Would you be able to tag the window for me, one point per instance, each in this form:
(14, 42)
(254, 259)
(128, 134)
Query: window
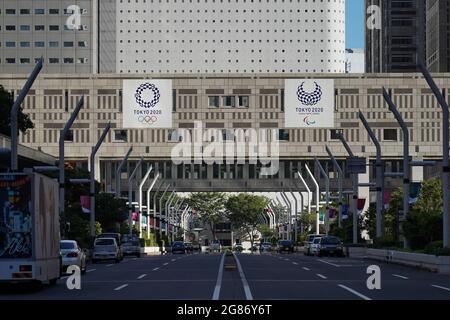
(25, 60)
(82, 44)
(25, 11)
(54, 28)
(68, 60)
(120, 136)
(229, 101)
(10, 44)
(39, 44)
(10, 28)
(68, 44)
(213, 101)
(25, 27)
(244, 101)
(283, 135)
(390, 134)
(53, 11)
(25, 44)
(53, 60)
(39, 11)
(82, 60)
(10, 11)
(39, 28)
(174, 136)
(53, 44)
(10, 60)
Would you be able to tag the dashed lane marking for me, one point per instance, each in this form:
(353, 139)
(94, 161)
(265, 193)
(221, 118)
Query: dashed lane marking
(121, 287)
(356, 293)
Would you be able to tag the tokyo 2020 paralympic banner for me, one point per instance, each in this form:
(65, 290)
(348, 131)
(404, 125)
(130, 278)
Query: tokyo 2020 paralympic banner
(309, 103)
(147, 104)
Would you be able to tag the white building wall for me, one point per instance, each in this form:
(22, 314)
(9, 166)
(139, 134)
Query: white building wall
(230, 36)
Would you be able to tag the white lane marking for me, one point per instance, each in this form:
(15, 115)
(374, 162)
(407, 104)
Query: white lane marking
(165, 264)
(356, 293)
(173, 260)
(248, 293)
(90, 270)
(216, 293)
(321, 276)
(401, 277)
(295, 263)
(306, 269)
(287, 260)
(439, 287)
(121, 287)
(156, 269)
(110, 265)
(330, 263)
(142, 276)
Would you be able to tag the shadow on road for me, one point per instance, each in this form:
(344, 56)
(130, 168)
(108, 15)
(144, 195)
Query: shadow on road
(20, 288)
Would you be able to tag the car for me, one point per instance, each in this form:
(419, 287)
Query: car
(238, 247)
(116, 236)
(131, 248)
(72, 255)
(285, 246)
(315, 245)
(178, 247)
(265, 247)
(106, 249)
(189, 247)
(215, 246)
(308, 242)
(330, 246)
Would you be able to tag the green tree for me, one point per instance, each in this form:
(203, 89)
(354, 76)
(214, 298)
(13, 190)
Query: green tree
(265, 231)
(209, 207)
(109, 211)
(243, 211)
(23, 120)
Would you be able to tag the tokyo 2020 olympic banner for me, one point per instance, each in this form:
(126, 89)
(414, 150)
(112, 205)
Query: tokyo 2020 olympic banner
(147, 104)
(309, 103)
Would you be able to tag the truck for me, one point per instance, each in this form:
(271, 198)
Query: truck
(29, 228)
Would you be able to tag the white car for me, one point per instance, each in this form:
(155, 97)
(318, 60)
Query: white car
(315, 246)
(215, 246)
(106, 249)
(72, 255)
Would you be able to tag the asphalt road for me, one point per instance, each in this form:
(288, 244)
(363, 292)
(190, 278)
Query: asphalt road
(252, 276)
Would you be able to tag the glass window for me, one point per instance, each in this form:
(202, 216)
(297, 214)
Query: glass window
(53, 11)
(120, 135)
(229, 101)
(25, 60)
(10, 11)
(244, 101)
(39, 44)
(39, 28)
(10, 28)
(53, 44)
(82, 60)
(283, 135)
(10, 60)
(53, 60)
(82, 44)
(68, 44)
(69, 136)
(25, 44)
(68, 60)
(10, 44)
(213, 101)
(25, 27)
(25, 11)
(39, 11)
(54, 28)
(390, 134)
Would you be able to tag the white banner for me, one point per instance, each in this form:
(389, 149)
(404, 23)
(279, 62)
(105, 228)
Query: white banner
(147, 104)
(309, 103)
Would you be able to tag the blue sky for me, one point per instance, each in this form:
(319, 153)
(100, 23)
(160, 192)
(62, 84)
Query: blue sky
(355, 24)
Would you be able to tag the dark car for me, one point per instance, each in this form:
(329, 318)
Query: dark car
(330, 246)
(285, 246)
(189, 247)
(178, 247)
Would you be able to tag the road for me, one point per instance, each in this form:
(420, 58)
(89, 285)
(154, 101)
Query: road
(256, 276)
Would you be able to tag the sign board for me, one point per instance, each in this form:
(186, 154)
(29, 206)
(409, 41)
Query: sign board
(356, 165)
(309, 103)
(147, 104)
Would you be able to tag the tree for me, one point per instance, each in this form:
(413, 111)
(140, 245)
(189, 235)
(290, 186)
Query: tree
(209, 207)
(109, 211)
(23, 120)
(243, 211)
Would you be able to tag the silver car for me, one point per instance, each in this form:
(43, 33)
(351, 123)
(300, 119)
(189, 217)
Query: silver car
(106, 249)
(131, 248)
(72, 255)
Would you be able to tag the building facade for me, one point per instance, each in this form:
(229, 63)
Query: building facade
(355, 61)
(30, 29)
(438, 35)
(394, 43)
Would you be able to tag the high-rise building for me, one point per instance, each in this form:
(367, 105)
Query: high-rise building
(394, 43)
(355, 60)
(438, 35)
(230, 36)
(30, 29)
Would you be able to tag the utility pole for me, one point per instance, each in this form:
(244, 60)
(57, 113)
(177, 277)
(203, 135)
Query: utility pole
(317, 199)
(130, 195)
(148, 202)
(327, 195)
(119, 171)
(340, 183)
(141, 186)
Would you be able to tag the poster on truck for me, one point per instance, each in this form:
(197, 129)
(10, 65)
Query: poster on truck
(47, 218)
(15, 216)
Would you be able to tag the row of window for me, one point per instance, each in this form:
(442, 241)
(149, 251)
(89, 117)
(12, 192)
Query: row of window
(40, 11)
(41, 27)
(41, 44)
(50, 60)
(236, 70)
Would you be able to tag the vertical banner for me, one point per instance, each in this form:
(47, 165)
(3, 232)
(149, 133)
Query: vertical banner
(85, 204)
(147, 104)
(309, 103)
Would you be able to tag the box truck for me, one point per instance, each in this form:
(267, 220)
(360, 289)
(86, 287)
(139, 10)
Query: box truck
(29, 228)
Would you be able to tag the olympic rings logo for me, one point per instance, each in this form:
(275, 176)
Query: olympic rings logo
(147, 119)
(147, 104)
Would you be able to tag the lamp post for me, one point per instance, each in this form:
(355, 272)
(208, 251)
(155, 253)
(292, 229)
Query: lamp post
(130, 195)
(119, 171)
(340, 183)
(317, 199)
(327, 195)
(141, 186)
(148, 202)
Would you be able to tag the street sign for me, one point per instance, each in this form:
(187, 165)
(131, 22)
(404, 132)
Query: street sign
(356, 165)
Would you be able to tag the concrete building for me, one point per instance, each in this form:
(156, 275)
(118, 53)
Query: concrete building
(400, 38)
(355, 60)
(230, 36)
(438, 35)
(30, 29)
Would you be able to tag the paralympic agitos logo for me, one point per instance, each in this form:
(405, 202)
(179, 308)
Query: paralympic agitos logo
(147, 96)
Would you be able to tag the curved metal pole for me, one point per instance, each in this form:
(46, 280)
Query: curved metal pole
(296, 215)
(289, 205)
(148, 202)
(130, 195)
(166, 211)
(340, 183)
(157, 214)
(119, 171)
(317, 199)
(327, 195)
(141, 186)
(380, 175)
(307, 189)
